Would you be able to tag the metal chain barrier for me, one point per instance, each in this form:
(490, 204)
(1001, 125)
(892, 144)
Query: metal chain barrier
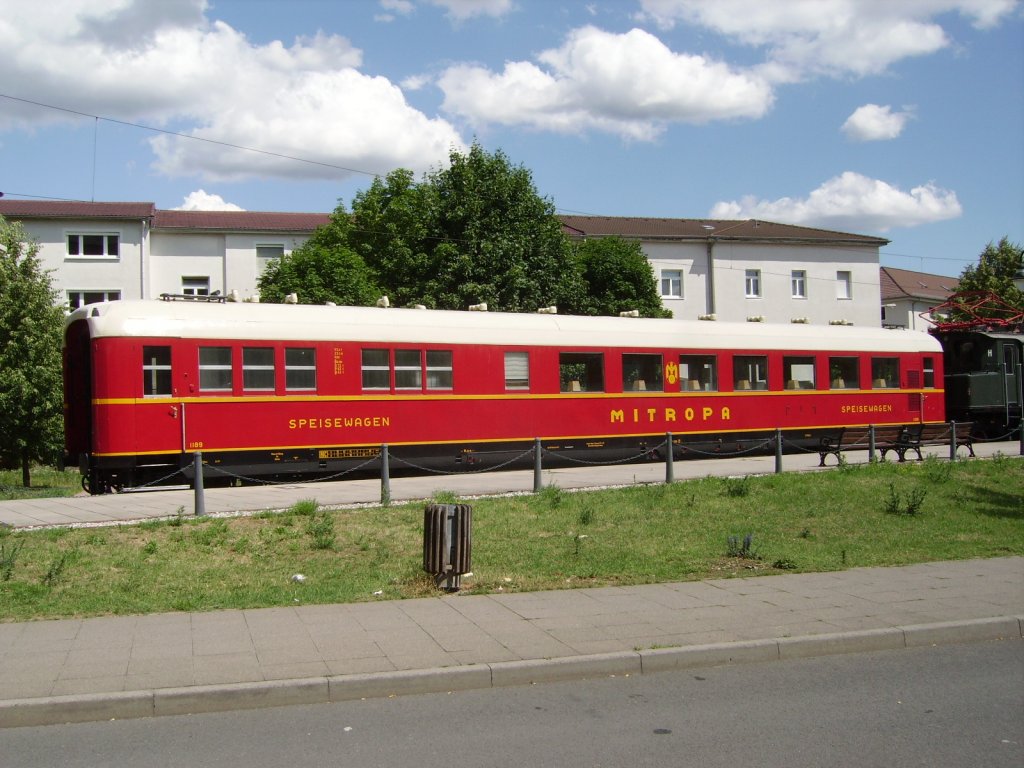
(261, 481)
(739, 452)
(429, 470)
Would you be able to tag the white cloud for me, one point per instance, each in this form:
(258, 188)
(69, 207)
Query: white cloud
(305, 100)
(628, 84)
(466, 9)
(851, 202)
(875, 123)
(201, 200)
(833, 37)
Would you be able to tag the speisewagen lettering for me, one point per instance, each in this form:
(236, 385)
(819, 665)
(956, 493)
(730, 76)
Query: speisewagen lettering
(339, 422)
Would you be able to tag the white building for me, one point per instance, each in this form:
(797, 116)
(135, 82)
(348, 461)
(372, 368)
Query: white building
(908, 297)
(731, 270)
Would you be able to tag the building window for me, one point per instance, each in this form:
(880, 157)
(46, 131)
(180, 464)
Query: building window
(798, 281)
(885, 373)
(376, 366)
(581, 372)
(753, 284)
(266, 254)
(156, 371)
(195, 286)
(844, 284)
(517, 370)
(78, 299)
(642, 373)
(258, 369)
(672, 283)
(215, 369)
(698, 373)
(843, 373)
(93, 245)
(750, 372)
(299, 368)
(798, 372)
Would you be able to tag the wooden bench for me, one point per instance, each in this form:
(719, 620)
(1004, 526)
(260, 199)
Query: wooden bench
(918, 435)
(858, 438)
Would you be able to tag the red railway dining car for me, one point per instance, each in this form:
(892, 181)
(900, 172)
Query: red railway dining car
(291, 390)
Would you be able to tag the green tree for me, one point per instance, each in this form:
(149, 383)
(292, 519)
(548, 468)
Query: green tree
(997, 267)
(618, 278)
(31, 333)
(474, 232)
(322, 269)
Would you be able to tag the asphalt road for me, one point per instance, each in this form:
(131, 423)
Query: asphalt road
(956, 705)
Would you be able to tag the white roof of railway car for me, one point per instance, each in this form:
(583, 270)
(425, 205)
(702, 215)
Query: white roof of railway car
(298, 322)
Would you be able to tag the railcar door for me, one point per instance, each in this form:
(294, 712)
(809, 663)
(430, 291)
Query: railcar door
(77, 393)
(1011, 374)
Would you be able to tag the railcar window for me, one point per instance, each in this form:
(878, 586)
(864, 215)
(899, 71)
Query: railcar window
(215, 369)
(408, 373)
(258, 368)
(581, 371)
(642, 373)
(376, 369)
(517, 370)
(156, 371)
(698, 373)
(929, 372)
(843, 372)
(885, 373)
(439, 369)
(299, 368)
(750, 372)
(798, 372)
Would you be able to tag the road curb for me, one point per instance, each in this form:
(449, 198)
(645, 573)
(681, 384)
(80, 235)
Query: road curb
(52, 710)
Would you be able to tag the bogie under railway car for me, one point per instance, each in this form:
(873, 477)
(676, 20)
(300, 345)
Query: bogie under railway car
(290, 390)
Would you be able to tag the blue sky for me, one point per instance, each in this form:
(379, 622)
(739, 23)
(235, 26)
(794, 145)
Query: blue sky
(901, 118)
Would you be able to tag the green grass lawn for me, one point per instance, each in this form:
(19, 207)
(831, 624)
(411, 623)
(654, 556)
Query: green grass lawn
(46, 483)
(864, 515)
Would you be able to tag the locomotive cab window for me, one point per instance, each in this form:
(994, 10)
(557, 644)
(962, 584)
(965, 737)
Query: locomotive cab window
(156, 371)
(642, 373)
(299, 368)
(698, 373)
(843, 373)
(750, 372)
(798, 372)
(258, 369)
(215, 369)
(885, 373)
(517, 370)
(581, 372)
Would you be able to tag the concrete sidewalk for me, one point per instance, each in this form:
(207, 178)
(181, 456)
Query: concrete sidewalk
(140, 666)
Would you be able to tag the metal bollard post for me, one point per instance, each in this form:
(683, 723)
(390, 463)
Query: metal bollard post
(197, 483)
(871, 443)
(385, 475)
(537, 480)
(669, 470)
(778, 451)
(952, 441)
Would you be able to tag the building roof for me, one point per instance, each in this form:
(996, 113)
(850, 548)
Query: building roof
(702, 229)
(71, 209)
(255, 221)
(904, 284)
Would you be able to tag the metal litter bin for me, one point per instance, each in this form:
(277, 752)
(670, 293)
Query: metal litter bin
(447, 543)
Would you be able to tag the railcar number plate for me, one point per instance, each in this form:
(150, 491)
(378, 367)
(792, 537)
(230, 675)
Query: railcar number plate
(348, 453)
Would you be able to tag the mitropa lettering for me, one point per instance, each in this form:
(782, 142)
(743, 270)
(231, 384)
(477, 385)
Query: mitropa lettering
(669, 415)
(339, 422)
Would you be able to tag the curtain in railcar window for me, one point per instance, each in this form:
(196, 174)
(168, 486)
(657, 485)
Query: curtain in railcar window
(517, 370)
(439, 369)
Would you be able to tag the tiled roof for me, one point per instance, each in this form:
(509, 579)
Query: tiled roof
(257, 221)
(902, 284)
(60, 209)
(702, 229)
